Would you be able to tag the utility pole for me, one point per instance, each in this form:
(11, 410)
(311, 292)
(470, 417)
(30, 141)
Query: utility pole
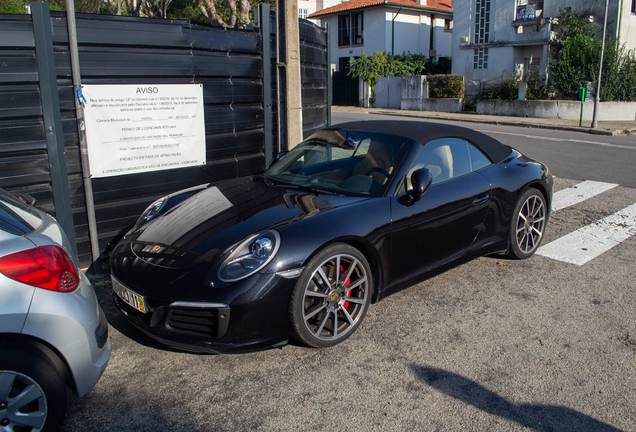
(597, 99)
(291, 56)
(81, 131)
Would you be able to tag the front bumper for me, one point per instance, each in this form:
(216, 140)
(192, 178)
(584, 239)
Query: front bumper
(245, 316)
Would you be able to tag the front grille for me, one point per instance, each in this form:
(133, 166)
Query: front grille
(206, 323)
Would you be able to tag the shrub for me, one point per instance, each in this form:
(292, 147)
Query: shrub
(380, 64)
(446, 86)
(537, 89)
(504, 89)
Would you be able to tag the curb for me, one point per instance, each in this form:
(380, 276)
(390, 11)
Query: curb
(494, 121)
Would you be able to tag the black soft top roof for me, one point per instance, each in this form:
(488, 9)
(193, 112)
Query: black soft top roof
(424, 132)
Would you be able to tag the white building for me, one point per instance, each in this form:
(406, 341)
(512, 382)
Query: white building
(392, 26)
(308, 7)
(500, 38)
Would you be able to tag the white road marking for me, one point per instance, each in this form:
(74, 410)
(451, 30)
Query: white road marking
(579, 193)
(545, 138)
(587, 243)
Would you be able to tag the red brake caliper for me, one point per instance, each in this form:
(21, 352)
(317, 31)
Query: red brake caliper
(347, 282)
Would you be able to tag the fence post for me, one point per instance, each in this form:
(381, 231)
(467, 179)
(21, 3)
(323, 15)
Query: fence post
(266, 31)
(81, 136)
(291, 55)
(43, 36)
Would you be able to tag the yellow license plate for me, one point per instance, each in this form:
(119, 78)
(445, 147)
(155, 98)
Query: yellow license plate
(130, 297)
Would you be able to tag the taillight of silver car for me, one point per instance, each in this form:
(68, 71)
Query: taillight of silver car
(47, 267)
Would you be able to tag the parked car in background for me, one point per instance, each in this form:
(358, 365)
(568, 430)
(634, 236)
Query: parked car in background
(352, 214)
(53, 332)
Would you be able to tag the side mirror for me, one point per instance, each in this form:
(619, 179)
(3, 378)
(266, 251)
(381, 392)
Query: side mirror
(278, 157)
(421, 180)
(26, 198)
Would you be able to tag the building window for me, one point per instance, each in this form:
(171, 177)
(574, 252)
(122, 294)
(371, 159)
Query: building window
(634, 6)
(448, 24)
(482, 21)
(351, 29)
(529, 9)
(303, 13)
(480, 58)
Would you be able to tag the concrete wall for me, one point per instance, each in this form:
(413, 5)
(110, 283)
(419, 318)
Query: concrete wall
(566, 110)
(443, 105)
(388, 92)
(414, 89)
(411, 93)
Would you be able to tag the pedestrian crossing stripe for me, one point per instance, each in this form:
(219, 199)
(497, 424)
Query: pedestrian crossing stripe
(585, 244)
(579, 193)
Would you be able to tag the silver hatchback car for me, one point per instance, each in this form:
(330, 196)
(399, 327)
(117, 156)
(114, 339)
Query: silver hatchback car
(53, 333)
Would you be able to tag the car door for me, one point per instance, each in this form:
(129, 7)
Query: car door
(447, 219)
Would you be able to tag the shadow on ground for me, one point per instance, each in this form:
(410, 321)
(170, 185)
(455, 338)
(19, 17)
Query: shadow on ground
(542, 418)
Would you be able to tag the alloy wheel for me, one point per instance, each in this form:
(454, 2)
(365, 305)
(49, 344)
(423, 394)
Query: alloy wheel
(530, 224)
(22, 403)
(335, 297)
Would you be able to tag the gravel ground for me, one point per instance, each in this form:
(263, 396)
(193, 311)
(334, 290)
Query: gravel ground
(496, 344)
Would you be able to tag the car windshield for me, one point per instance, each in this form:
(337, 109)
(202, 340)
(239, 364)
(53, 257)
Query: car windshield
(344, 163)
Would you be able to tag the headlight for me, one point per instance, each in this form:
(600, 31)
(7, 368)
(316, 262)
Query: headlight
(250, 256)
(152, 211)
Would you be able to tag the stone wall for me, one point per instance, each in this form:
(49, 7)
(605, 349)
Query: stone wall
(566, 110)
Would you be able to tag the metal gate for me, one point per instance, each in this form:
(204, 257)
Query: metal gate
(345, 89)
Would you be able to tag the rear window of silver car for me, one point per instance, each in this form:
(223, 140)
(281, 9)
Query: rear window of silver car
(17, 217)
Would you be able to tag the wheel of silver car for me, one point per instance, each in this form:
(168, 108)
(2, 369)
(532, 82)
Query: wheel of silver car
(32, 394)
(528, 224)
(331, 297)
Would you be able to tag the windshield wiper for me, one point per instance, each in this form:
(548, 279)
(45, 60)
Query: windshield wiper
(307, 188)
(283, 184)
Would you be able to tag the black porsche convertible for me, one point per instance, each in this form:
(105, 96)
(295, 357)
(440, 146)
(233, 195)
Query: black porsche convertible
(352, 214)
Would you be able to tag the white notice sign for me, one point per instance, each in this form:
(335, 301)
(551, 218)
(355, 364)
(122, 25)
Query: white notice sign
(134, 128)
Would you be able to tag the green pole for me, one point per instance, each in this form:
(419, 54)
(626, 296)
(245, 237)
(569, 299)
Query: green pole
(582, 95)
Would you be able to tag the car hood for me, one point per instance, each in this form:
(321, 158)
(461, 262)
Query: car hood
(206, 222)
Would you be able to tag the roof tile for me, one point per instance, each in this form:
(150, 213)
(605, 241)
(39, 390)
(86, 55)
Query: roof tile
(442, 5)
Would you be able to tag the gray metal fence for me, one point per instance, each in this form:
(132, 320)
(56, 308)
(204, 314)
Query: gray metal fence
(123, 50)
(313, 76)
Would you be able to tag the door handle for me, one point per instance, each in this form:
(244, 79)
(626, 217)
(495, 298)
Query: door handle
(481, 200)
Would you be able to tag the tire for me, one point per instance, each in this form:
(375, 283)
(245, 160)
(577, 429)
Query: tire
(528, 224)
(326, 306)
(22, 371)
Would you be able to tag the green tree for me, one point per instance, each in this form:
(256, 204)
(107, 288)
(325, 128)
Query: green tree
(13, 7)
(226, 13)
(576, 53)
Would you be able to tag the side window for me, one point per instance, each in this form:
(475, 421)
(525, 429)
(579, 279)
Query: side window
(445, 158)
(479, 159)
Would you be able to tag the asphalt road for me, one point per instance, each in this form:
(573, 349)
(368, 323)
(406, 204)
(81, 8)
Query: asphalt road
(571, 155)
(496, 344)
